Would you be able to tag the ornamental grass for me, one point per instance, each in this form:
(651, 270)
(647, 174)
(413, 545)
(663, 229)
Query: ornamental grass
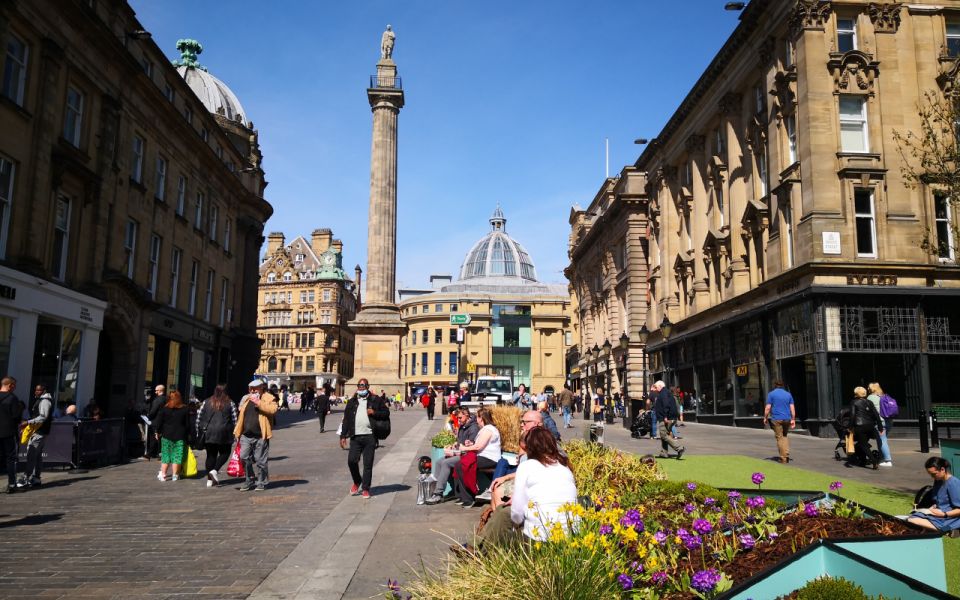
(601, 470)
(507, 421)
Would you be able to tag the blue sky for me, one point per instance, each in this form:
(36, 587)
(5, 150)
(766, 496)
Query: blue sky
(506, 102)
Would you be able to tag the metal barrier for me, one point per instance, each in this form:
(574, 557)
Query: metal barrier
(58, 449)
(101, 442)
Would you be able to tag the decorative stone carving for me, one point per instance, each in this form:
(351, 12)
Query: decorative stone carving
(757, 133)
(948, 77)
(810, 15)
(885, 17)
(386, 43)
(853, 72)
(695, 143)
(730, 103)
(785, 97)
(765, 52)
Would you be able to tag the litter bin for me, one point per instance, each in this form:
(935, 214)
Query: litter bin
(595, 433)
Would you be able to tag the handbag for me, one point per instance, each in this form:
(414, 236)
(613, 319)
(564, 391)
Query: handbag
(381, 428)
(189, 464)
(235, 466)
(28, 430)
(850, 446)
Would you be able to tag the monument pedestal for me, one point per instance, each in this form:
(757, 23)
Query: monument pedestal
(377, 334)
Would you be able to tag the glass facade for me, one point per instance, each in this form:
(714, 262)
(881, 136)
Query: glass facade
(56, 360)
(511, 331)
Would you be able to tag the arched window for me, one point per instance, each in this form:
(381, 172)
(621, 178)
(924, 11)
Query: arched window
(288, 276)
(271, 277)
(272, 364)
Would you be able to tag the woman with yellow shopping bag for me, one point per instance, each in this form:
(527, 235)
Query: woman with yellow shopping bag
(172, 424)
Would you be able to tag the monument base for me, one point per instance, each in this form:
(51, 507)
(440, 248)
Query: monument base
(376, 355)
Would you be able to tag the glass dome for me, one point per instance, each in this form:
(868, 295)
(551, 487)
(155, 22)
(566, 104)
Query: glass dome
(498, 255)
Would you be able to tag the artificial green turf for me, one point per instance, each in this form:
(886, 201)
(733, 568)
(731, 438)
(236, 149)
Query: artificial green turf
(735, 471)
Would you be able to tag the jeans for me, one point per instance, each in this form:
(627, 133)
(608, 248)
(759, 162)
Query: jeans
(653, 421)
(503, 468)
(8, 448)
(255, 451)
(362, 445)
(217, 456)
(884, 446)
(35, 455)
(566, 416)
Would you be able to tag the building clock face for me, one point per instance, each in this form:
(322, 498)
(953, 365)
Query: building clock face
(280, 263)
(329, 260)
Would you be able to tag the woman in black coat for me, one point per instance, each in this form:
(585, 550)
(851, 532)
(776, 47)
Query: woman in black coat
(866, 421)
(215, 422)
(172, 423)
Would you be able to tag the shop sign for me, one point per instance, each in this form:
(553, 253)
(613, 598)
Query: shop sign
(742, 370)
(471, 368)
(887, 280)
(203, 335)
(85, 314)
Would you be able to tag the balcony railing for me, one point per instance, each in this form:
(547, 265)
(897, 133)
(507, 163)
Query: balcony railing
(385, 82)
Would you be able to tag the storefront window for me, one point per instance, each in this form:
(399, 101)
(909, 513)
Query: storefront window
(69, 365)
(56, 359)
(750, 395)
(197, 363)
(724, 387)
(173, 367)
(151, 354)
(705, 395)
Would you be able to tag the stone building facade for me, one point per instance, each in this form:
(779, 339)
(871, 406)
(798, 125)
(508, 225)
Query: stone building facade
(305, 302)
(608, 281)
(518, 326)
(131, 210)
(785, 241)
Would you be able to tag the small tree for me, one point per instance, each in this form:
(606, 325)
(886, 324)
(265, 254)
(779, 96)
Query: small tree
(931, 158)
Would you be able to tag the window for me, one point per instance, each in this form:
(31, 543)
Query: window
(310, 364)
(719, 193)
(453, 363)
(303, 297)
(762, 174)
(272, 364)
(175, 259)
(413, 363)
(147, 66)
(299, 258)
(426, 308)
(204, 135)
(198, 212)
(720, 143)
(219, 152)
(311, 296)
(437, 363)
(866, 223)
(208, 300)
(297, 364)
(687, 175)
(161, 189)
(271, 277)
(413, 338)
(791, 126)
(438, 308)
(787, 212)
(437, 336)
(759, 100)
(853, 124)
(155, 243)
(944, 223)
(414, 310)
(224, 284)
(169, 93)
(326, 295)
(288, 276)
(136, 160)
(423, 337)
(15, 70)
(787, 53)
(953, 39)
(73, 117)
(188, 115)
(453, 308)
(6, 199)
(214, 218)
(181, 195)
(423, 363)
(194, 277)
(130, 246)
(227, 227)
(61, 238)
(452, 338)
(846, 35)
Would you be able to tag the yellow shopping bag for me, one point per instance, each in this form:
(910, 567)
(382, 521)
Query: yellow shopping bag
(28, 430)
(190, 464)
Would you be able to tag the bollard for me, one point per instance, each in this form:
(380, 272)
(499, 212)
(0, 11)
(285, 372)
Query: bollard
(934, 430)
(924, 440)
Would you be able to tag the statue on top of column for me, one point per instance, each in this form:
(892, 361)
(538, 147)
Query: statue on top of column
(386, 43)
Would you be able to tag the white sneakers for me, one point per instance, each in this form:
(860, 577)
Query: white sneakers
(212, 478)
(161, 476)
(886, 463)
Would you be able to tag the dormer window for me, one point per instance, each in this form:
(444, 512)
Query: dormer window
(271, 277)
(299, 258)
(288, 276)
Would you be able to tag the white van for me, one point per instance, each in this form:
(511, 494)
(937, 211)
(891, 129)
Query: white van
(491, 389)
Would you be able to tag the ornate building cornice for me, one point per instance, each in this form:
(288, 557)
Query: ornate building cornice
(885, 16)
(730, 104)
(810, 15)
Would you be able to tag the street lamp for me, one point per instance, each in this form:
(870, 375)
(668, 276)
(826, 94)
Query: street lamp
(625, 345)
(666, 327)
(608, 399)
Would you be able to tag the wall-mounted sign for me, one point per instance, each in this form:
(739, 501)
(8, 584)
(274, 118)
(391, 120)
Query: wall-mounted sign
(831, 242)
(871, 280)
(85, 314)
(742, 370)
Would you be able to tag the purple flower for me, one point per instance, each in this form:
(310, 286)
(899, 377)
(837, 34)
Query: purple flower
(835, 486)
(747, 541)
(773, 535)
(708, 501)
(733, 496)
(606, 530)
(689, 508)
(626, 582)
(691, 486)
(702, 526)
(757, 478)
(632, 519)
(659, 578)
(705, 581)
(394, 587)
(660, 537)
(810, 510)
(755, 502)
(692, 542)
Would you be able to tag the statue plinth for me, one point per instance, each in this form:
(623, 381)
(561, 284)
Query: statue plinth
(376, 353)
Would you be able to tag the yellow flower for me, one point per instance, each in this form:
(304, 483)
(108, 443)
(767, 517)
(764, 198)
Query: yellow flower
(641, 551)
(630, 534)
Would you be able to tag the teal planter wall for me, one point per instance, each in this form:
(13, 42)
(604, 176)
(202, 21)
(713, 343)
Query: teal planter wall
(950, 450)
(920, 559)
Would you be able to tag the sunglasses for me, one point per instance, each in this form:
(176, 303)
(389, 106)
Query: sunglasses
(361, 385)
(525, 421)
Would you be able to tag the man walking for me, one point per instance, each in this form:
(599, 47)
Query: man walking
(566, 405)
(431, 402)
(782, 415)
(361, 409)
(41, 414)
(323, 407)
(254, 429)
(666, 413)
(11, 411)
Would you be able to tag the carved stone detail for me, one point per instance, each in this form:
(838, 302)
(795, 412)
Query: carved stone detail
(810, 15)
(695, 143)
(765, 52)
(853, 72)
(885, 17)
(785, 96)
(730, 103)
(948, 77)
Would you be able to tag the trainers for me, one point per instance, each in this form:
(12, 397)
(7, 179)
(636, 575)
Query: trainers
(365, 494)
(470, 504)
(244, 488)
(175, 478)
(10, 489)
(354, 489)
(680, 452)
(434, 499)
(260, 487)
(886, 463)
(212, 476)
(486, 495)
(161, 476)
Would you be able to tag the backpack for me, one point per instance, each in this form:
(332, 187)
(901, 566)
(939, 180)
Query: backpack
(888, 407)
(380, 427)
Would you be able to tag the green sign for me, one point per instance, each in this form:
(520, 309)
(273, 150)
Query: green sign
(458, 319)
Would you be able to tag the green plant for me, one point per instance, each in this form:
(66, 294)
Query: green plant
(507, 421)
(601, 470)
(443, 439)
(830, 588)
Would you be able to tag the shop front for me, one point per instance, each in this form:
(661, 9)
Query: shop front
(49, 334)
(183, 355)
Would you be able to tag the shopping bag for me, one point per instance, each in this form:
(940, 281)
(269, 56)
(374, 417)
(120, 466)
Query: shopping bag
(235, 466)
(28, 430)
(851, 447)
(189, 464)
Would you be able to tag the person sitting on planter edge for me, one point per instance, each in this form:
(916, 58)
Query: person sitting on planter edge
(944, 515)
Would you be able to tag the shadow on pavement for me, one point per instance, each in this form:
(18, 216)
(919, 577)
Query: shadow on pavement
(386, 489)
(31, 520)
(63, 482)
(287, 483)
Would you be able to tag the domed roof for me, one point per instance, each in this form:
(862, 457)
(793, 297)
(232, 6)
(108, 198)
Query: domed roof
(215, 95)
(497, 255)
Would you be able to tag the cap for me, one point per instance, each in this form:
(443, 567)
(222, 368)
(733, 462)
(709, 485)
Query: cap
(257, 383)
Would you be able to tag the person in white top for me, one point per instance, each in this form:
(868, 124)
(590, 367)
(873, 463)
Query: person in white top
(487, 447)
(543, 485)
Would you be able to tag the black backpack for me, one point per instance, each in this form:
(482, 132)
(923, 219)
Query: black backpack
(381, 427)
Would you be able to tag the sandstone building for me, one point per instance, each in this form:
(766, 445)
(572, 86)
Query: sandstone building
(131, 210)
(304, 305)
(784, 241)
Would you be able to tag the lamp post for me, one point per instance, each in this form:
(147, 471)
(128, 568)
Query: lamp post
(627, 407)
(608, 399)
(596, 375)
(666, 328)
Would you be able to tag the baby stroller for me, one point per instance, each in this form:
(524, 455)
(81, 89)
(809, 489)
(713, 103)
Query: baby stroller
(641, 425)
(842, 425)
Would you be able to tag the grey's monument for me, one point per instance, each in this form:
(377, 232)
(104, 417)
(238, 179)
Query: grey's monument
(378, 327)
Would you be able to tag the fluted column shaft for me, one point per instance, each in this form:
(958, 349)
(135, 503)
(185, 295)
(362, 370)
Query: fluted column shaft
(382, 234)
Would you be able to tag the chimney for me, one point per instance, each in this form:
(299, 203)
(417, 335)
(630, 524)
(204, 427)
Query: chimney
(357, 274)
(274, 242)
(320, 240)
(337, 245)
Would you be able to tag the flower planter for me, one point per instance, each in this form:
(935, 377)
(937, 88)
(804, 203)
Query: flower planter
(789, 497)
(827, 558)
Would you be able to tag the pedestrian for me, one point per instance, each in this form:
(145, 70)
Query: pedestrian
(944, 512)
(323, 406)
(596, 405)
(172, 425)
(652, 407)
(254, 429)
(216, 421)
(666, 414)
(464, 392)
(159, 399)
(548, 421)
(781, 413)
(284, 398)
(521, 399)
(467, 431)
(883, 434)
(11, 412)
(866, 420)
(41, 415)
(431, 402)
(361, 408)
(566, 405)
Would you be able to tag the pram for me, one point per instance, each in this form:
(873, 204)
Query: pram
(642, 423)
(842, 425)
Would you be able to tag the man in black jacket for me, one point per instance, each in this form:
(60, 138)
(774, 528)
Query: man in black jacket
(152, 447)
(665, 408)
(323, 406)
(11, 412)
(866, 422)
(362, 409)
